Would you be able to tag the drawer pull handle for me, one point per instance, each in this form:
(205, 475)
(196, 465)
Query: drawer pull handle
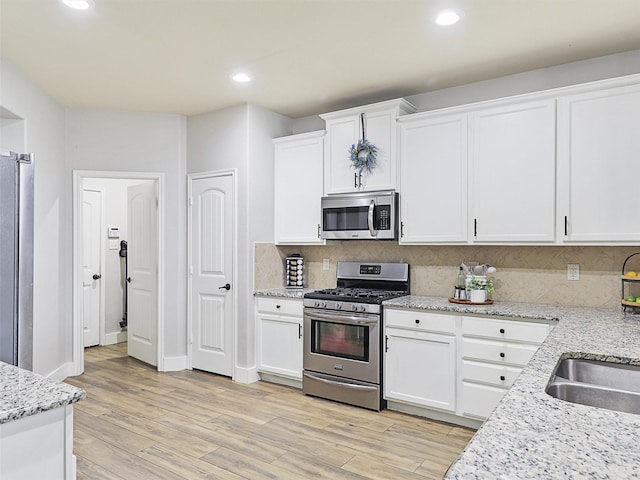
(502, 377)
(502, 330)
(501, 354)
(277, 306)
(417, 320)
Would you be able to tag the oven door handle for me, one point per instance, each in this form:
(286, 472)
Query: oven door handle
(354, 386)
(343, 319)
(372, 206)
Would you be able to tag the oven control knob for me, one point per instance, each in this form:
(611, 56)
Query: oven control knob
(338, 306)
(354, 307)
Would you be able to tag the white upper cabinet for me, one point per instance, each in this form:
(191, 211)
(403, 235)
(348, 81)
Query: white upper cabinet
(599, 166)
(344, 129)
(512, 166)
(433, 178)
(298, 188)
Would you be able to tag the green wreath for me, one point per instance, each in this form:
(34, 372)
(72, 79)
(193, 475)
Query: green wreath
(363, 156)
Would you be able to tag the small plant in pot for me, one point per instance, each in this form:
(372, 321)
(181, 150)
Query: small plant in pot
(479, 287)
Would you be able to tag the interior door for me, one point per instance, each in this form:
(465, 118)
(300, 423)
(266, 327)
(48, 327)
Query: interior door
(142, 251)
(91, 260)
(212, 277)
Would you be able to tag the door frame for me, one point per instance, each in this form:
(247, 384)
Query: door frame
(103, 229)
(77, 328)
(234, 261)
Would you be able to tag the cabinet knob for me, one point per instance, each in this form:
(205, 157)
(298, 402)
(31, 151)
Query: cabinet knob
(502, 330)
(502, 377)
(501, 354)
(417, 320)
(277, 306)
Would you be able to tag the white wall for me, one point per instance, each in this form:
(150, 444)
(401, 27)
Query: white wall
(144, 142)
(590, 70)
(240, 137)
(52, 295)
(115, 200)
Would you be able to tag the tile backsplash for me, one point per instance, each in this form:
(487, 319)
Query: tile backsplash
(525, 273)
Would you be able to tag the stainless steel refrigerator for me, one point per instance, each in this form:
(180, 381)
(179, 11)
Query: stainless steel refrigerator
(16, 259)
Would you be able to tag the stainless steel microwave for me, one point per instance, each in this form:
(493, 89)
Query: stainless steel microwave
(360, 216)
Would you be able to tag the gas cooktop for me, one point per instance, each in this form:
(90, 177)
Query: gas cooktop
(365, 295)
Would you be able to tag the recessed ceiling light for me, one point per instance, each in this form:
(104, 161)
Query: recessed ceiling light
(241, 77)
(79, 4)
(448, 17)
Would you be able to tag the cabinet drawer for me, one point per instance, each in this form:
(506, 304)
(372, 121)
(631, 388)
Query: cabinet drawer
(522, 331)
(496, 351)
(279, 306)
(498, 375)
(415, 320)
(480, 400)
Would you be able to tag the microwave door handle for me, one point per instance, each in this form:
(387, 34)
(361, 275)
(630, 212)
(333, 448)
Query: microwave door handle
(372, 206)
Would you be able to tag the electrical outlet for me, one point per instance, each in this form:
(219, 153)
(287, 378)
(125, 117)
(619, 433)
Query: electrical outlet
(573, 271)
(325, 264)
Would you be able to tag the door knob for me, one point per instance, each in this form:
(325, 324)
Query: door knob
(128, 279)
(226, 286)
(96, 276)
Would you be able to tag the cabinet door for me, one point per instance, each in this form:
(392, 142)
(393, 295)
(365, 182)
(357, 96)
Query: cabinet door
(420, 368)
(280, 345)
(339, 177)
(298, 188)
(512, 172)
(380, 128)
(433, 179)
(599, 161)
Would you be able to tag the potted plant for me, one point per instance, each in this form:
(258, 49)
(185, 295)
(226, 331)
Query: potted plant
(479, 287)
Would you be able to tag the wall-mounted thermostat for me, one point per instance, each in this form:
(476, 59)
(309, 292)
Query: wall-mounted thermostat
(113, 232)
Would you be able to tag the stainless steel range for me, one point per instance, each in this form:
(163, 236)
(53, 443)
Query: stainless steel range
(343, 333)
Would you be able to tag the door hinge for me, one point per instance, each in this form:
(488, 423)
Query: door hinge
(190, 270)
(190, 201)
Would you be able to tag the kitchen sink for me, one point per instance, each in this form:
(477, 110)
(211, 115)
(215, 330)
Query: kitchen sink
(596, 383)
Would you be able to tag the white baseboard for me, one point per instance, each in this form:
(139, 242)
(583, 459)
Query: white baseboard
(174, 364)
(63, 371)
(115, 337)
(246, 375)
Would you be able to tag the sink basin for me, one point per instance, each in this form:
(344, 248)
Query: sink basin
(595, 383)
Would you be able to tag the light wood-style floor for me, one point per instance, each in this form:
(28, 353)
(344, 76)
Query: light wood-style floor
(137, 423)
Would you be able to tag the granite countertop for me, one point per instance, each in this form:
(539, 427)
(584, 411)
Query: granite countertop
(531, 435)
(284, 292)
(24, 393)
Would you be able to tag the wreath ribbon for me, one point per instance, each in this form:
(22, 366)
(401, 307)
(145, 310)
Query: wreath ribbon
(363, 156)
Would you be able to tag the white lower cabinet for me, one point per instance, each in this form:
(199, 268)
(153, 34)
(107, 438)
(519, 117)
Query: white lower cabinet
(452, 365)
(279, 337)
(420, 359)
(493, 353)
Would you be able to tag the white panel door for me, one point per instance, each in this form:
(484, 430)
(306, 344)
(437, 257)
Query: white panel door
(142, 251)
(598, 163)
(212, 280)
(433, 179)
(512, 160)
(91, 264)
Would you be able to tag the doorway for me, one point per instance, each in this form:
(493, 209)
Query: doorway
(146, 200)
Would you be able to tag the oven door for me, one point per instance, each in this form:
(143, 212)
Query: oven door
(342, 344)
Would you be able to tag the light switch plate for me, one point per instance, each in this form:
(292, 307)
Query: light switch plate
(325, 264)
(573, 271)
(113, 244)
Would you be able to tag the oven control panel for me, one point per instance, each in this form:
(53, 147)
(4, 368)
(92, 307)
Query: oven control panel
(370, 269)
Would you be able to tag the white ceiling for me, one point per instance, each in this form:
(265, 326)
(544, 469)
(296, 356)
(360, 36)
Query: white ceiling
(306, 56)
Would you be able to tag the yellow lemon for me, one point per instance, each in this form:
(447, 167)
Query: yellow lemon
(631, 274)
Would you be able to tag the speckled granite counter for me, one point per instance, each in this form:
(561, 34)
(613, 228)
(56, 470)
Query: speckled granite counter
(24, 393)
(531, 435)
(284, 292)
